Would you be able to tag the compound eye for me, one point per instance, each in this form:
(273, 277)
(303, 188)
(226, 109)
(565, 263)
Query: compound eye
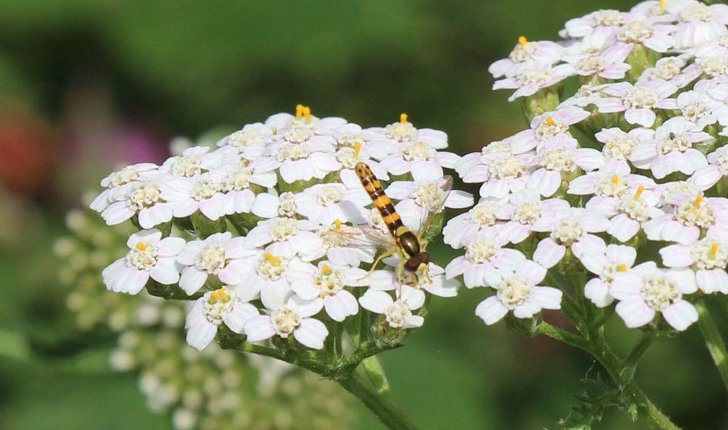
(413, 263)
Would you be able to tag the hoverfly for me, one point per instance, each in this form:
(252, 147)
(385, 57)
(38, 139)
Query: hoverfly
(409, 245)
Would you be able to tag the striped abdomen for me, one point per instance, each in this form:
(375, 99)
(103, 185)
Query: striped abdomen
(406, 240)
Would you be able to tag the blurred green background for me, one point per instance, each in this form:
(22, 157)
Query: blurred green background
(86, 86)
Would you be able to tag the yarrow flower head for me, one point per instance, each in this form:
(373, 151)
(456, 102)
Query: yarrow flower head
(284, 230)
(634, 156)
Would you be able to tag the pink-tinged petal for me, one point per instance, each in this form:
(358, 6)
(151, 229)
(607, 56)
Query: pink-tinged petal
(635, 313)
(626, 286)
(491, 310)
(414, 297)
(166, 271)
(117, 213)
(235, 319)
(527, 309)
(588, 244)
(598, 292)
(474, 276)
(681, 234)
(307, 308)
(532, 271)
(706, 177)
(341, 305)
(680, 315)
(712, 281)
(274, 294)
(548, 253)
(643, 117)
(201, 334)
(265, 206)
(170, 246)
(546, 182)
(609, 104)
(456, 267)
(192, 280)
(623, 228)
(375, 301)
(676, 256)
(311, 333)
(594, 262)
(547, 297)
(684, 279)
(133, 282)
(258, 328)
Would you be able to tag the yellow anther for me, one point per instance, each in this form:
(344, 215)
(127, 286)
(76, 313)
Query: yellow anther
(337, 223)
(403, 117)
(522, 40)
(549, 120)
(219, 295)
(357, 148)
(141, 246)
(621, 267)
(615, 179)
(303, 111)
(698, 199)
(638, 193)
(326, 269)
(663, 4)
(272, 259)
(713, 249)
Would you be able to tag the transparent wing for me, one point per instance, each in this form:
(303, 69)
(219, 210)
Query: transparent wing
(431, 208)
(363, 236)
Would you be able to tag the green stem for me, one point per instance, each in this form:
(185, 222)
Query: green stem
(357, 383)
(622, 377)
(713, 341)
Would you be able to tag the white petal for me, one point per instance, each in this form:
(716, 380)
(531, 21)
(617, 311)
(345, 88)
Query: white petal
(491, 310)
(680, 315)
(311, 333)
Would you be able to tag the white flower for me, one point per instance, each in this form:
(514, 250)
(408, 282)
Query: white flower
(483, 254)
(573, 228)
(149, 256)
(211, 310)
(398, 313)
(142, 198)
(613, 259)
(219, 254)
(287, 237)
(325, 203)
(328, 282)
(708, 257)
(518, 291)
(290, 317)
(645, 290)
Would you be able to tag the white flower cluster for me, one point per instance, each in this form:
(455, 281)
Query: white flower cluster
(643, 176)
(209, 389)
(267, 227)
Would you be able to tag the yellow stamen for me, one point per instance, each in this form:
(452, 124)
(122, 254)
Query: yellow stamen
(638, 193)
(615, 179)
(337, 223)
(698, 199)
(522, 40)
(326, 269)
(303, 111)
(272, 259)
(219, 295)
(622, 267)
(357, 148)
(141, 246)
(403, 117)
(713, 249)
(663, 4)
(549, 121)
